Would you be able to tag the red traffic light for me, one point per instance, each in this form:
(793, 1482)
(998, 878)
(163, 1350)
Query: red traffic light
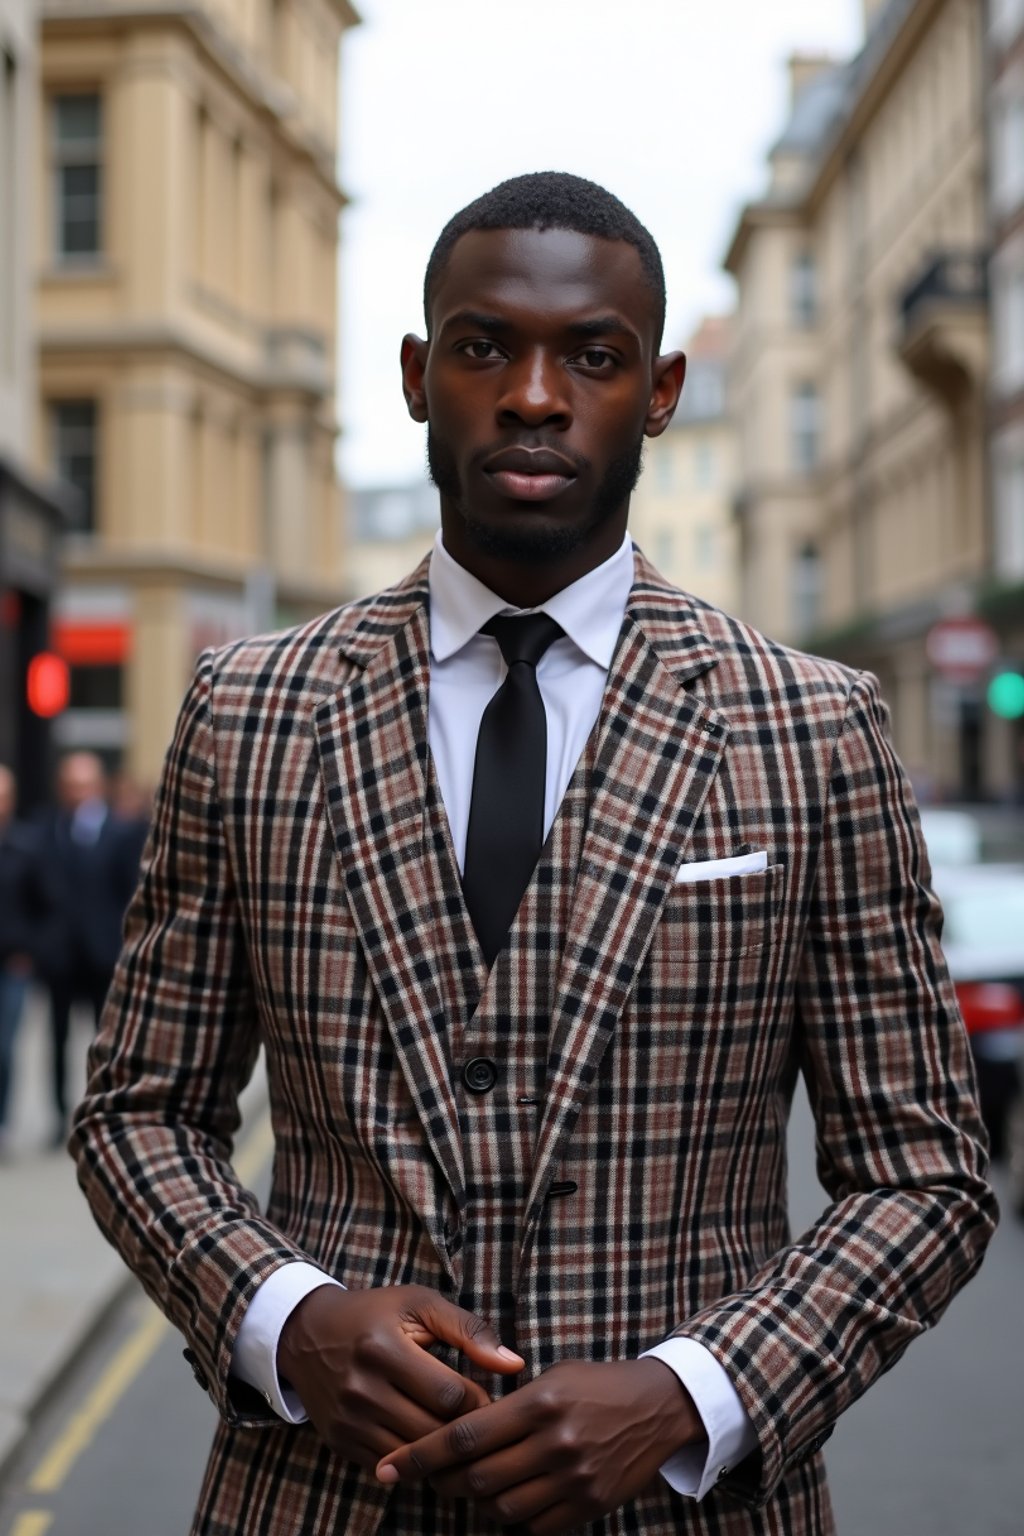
(48, 686)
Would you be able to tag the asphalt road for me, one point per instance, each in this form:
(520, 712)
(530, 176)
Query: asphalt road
(935, 1449)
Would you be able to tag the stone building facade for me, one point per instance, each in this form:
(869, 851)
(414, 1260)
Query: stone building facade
(860, 377)
(681, 511)
(186, 246)
(31, 505)
(1005, 601)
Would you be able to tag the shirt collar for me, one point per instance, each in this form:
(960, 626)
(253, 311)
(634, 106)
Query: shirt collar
(590, 610)
(87, 820)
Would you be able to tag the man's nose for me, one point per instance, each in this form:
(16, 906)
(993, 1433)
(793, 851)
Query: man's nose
(534, 393)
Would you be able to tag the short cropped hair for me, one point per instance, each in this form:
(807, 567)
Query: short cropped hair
(551, 200)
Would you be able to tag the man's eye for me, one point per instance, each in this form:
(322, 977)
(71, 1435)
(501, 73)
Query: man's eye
(482, 350)
(595, 358)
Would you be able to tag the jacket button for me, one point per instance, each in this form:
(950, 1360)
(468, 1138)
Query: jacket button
(479, 1074)
(565, 1187)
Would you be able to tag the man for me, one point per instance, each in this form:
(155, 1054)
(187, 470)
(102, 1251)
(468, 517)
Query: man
(24, 909)
(538, 917)
(93, 866)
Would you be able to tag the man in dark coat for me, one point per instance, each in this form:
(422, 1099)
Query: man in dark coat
(25, 907)
(91, 856)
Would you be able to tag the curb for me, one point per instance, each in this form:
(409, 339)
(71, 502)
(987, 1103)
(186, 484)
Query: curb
(109, 1298)
(78, 1347)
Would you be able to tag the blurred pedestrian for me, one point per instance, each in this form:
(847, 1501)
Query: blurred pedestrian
(132, 805)
(92, 858)
(24, 910)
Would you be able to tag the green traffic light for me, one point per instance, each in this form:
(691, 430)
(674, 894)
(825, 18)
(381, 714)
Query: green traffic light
(1006, 695)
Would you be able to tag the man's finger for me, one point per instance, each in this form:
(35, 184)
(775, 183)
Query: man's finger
(403, 1417)
(475, 1435)
(441, 1391)
(485, 1479)
(537, 1500)
(441, 1320)
(368, 1449)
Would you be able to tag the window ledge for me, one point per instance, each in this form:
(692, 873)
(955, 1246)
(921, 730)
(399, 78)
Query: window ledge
(83, 271)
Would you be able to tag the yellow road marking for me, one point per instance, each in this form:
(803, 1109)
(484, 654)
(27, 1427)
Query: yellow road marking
(129, 1360)
(34, 1522)
(82, 1426)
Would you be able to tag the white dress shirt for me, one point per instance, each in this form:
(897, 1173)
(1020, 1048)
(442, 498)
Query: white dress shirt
(466, 670)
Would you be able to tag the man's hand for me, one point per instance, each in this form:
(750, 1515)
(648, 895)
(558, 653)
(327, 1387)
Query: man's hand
(359, 1362)
(564, 1449)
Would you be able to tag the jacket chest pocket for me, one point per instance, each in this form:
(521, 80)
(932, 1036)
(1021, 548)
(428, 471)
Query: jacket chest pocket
(702, 985)
(722, 917)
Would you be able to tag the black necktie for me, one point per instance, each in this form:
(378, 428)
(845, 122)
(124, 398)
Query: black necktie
(506, 812)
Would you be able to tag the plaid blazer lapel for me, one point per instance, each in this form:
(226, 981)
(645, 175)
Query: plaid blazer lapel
(658, 749)
(372, 739)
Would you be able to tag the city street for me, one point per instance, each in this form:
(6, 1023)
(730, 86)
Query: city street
(525, 738)
(934, 1450)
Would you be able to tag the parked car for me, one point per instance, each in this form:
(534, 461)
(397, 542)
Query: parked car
(974, 834)
(952, 836)
(983, 940)
(1015, 1156)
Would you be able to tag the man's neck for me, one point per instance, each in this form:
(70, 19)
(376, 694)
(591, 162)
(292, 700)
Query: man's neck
(528, 584)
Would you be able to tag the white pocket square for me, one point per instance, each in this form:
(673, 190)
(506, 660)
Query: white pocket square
(721, 869)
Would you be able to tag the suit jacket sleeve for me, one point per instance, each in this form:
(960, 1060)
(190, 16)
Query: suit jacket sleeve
(900, 1146)
(179, 1039)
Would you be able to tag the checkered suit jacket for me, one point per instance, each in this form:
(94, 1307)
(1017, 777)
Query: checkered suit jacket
(299, 890)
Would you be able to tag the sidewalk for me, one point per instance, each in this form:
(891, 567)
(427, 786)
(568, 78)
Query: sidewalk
(59, 1278)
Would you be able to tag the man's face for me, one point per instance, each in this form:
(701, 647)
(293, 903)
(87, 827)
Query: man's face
(538, 385)
(80, 779)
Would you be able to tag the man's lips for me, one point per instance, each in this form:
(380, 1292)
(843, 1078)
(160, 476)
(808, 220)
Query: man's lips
(529, 487)
(530, 474)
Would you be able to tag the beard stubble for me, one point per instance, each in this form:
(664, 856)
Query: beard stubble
(524, 540)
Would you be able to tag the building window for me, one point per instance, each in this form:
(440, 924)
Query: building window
(805, 426)
(74, 443)
(77, 176)
(200, 192)
(1007, 20)
(803, 290)
(664, 549)
(704, 467)
(704, 547)
(1009, 499)
(97, 687)
(805, 596)
(279, 39)
(1008, 317)
(274, 247)
(1008, 142)
(236, 232)
(704, 394)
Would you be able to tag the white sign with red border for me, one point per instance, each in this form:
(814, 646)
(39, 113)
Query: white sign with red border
(962, 649)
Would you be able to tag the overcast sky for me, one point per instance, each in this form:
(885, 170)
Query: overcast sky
(672, 104)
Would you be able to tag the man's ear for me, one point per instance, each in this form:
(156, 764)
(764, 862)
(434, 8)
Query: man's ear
(669, 373)
(414, 363)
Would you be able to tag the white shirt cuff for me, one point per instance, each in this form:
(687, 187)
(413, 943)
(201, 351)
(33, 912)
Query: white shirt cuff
(731, 1437)
(254, 1358)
